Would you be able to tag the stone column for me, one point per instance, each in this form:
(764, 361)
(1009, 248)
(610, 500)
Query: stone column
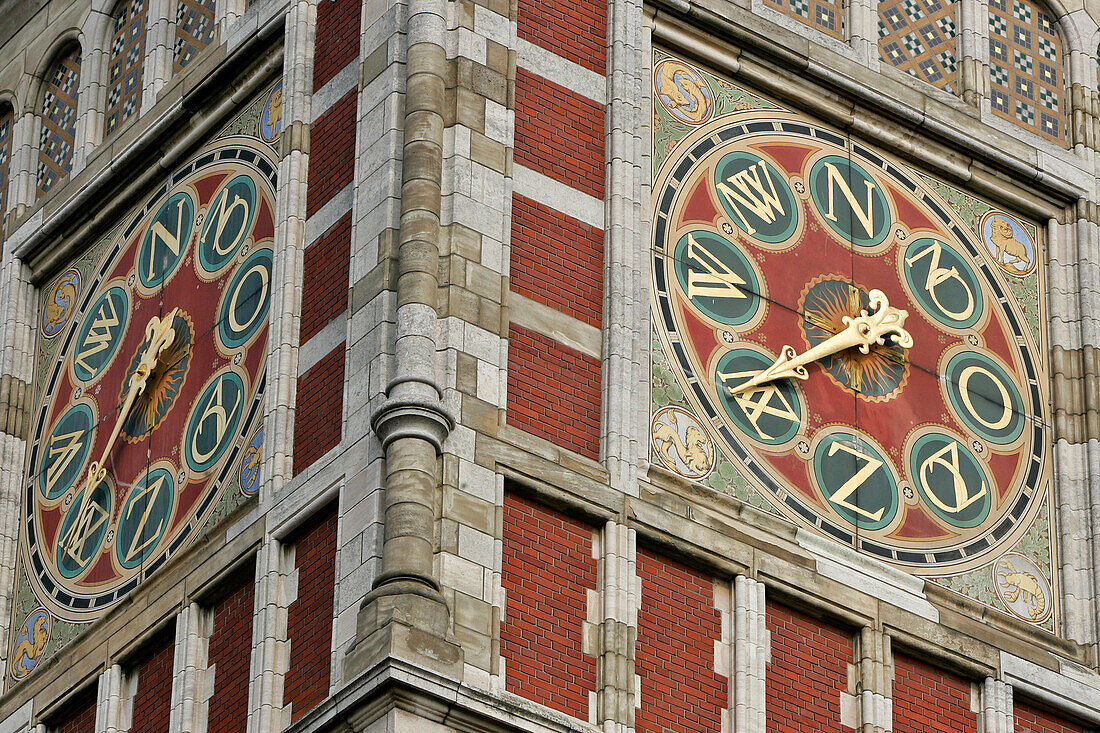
(270, 647)
(192, 684)
(876, 674)
(615, 627)
(997, 715)
(750, 656)
(17, 329)
(413, 423)
(115, 701)
(160, 35)
(626, 301)
(92, 101)
(973, 49)
(24, 159)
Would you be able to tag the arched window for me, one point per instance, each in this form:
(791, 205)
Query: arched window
(7, 123)
(194, 29)
(125, 63)
(55, 146)
(918, 37)
(1026, 68)
(825, 15)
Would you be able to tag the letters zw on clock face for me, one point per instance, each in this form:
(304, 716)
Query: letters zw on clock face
(156, 382)
(850, 343)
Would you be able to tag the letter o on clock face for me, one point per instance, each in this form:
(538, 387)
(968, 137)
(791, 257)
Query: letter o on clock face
(773, 239)
(182, 287)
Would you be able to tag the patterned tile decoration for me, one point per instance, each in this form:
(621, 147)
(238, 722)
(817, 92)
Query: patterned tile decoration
(825, 16)
(125, 63)
(194, 30)
(1026, 68)
(59, 107)
(918, 37)
(7, 124)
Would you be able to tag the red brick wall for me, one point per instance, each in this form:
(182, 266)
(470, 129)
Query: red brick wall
(325, 278)
(559, 133)
(548, 568)
(557, 260)
(309, 618)
(153, 698)
(929, 698)
(575, 29)
(807, 673)
(80, 715)
(1037, 720)
(320, 409)
(332, 152)
(677, 628)
(553, 391)
(230, 653)
(337, 42)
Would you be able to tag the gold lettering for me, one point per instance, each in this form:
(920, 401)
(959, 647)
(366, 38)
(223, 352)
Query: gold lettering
(233, 322)
(220, 217)
(938, 275)
(214, 409)
(750, 193)
(718, 280)
(160, 235)
(948, 457)
(840, 497)
(99, 335)
(1006, 400)
(759, 402)
(865, 214)
(70, 445)
(90, 518)
(134, 548)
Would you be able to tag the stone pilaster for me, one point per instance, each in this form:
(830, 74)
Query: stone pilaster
(626, 300)
(159, 39)
(94, 44)
(973, 61)
(114, 701)
(405, 614)
(997, 714)
(270, 646)
(24, 150)
(750, 655)
(876, 674)
(614, 627)
(192, 682)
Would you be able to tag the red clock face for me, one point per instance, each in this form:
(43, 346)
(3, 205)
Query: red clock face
(196, 260)
(772, 236)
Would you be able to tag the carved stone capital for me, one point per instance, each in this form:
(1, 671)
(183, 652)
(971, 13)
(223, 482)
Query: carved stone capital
(411, 418)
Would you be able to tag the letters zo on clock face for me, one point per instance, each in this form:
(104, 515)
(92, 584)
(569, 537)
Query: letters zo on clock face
(155, 382)
(849, 342)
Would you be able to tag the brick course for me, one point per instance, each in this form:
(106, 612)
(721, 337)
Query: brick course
(807, 673)
(553, 391)
(574, 30)
(331, 153)
(557, 260)
(309, 618)
(337, 43)
(559, 133)
(325, 278)
(80, 714)
(1037, 720)
(153, 698)
(547, 570)
(677, 628)
(930, 698)
(319, 414)
(230, 653)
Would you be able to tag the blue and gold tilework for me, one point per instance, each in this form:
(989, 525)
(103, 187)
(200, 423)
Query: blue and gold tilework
(918, 37)
(125, 63)
(825, 16)
(59, 108)
(194, 30)
(1026, 68)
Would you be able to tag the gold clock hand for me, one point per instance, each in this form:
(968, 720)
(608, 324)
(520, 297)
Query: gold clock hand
(159, 334)
(865, 330)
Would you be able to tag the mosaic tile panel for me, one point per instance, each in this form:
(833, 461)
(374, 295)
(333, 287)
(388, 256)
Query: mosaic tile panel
(194, 30)
(825, 16)
(125, 63)
(55, 145)
(1026, 68)
(918, 37)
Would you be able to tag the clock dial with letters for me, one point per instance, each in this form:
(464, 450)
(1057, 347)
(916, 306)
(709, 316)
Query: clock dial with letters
(156, 383)
(776, 242)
